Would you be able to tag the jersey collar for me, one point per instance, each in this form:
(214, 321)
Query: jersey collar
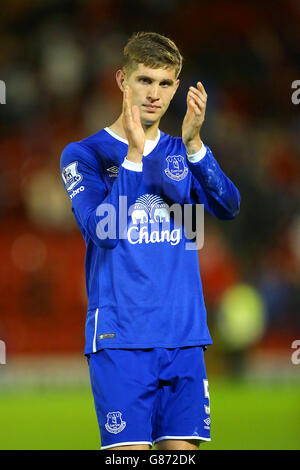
(149, 144)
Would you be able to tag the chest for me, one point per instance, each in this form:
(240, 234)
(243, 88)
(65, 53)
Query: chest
(165, 174)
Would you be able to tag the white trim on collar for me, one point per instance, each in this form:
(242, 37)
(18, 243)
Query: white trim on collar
(116, 136)
(149, 144)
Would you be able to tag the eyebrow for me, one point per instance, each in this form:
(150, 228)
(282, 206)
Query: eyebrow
(146, 77)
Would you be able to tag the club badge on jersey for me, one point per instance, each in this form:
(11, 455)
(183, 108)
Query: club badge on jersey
(176, 169)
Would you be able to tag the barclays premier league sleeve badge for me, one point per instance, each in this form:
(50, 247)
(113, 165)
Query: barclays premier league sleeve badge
(70, 176)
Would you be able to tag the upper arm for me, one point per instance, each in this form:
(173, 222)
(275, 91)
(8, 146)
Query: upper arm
(82, 179)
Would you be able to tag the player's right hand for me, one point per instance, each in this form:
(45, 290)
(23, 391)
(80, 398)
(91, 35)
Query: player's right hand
(133, 128)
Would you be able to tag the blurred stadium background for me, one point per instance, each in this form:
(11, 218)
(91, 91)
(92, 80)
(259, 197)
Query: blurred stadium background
(58, 60)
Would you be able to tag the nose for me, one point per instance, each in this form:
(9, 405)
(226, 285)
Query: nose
(153, 94)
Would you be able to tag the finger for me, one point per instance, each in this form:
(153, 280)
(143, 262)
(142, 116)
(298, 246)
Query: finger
(198, 111)
(126, 100)
(198, 93)
(127, 104)
(201, 88)
(198, 106)
(199, 100)
(124, 104)
(136, 115)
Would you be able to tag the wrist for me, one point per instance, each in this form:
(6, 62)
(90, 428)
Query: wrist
(197, 156)
(193, 146)
(132, 166)
(134, 156)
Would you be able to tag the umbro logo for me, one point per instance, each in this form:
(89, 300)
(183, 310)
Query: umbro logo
(113, 171)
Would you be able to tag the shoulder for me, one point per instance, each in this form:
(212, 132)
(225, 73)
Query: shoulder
(174, 145)
(169, 139)
(83, 151)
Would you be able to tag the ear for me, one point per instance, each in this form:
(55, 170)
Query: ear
(120, 78)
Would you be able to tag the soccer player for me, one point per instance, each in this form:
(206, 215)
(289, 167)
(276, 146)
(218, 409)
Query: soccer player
(146, 328)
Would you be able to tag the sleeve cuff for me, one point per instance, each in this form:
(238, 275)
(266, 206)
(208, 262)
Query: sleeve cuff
(132, 165)
(196, 157)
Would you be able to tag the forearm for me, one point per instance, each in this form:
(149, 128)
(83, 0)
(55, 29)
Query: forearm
(106, 222)
(222, 195)
(193, 146)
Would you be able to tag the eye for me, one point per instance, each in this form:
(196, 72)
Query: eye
(145, 80)
(165, 84)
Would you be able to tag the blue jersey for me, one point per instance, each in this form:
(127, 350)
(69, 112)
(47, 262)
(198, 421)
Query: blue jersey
(143, 284)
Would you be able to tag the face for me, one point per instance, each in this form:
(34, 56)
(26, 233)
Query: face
(152, 90)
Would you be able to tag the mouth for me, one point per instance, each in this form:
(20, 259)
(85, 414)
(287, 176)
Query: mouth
(151, 108)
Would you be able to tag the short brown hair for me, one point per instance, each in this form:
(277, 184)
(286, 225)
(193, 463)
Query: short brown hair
(152, 50)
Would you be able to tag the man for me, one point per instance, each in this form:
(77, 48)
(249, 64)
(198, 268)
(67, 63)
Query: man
(146, 328)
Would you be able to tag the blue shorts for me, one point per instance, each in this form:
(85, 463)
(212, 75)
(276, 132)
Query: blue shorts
(146, 395)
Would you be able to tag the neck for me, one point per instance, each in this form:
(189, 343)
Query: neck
(150, 131)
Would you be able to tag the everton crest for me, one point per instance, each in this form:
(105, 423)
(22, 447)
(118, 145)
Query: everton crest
(114, 423)
(176, 169)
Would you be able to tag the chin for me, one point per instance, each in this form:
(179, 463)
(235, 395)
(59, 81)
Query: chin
(149, 120)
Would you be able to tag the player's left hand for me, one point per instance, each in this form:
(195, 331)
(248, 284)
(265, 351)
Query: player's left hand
(194, 117)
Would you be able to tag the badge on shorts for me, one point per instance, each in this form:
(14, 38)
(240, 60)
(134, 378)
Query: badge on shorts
(114, 423)
(176, 169)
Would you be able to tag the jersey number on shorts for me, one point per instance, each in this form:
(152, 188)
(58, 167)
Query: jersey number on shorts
(206, 395)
